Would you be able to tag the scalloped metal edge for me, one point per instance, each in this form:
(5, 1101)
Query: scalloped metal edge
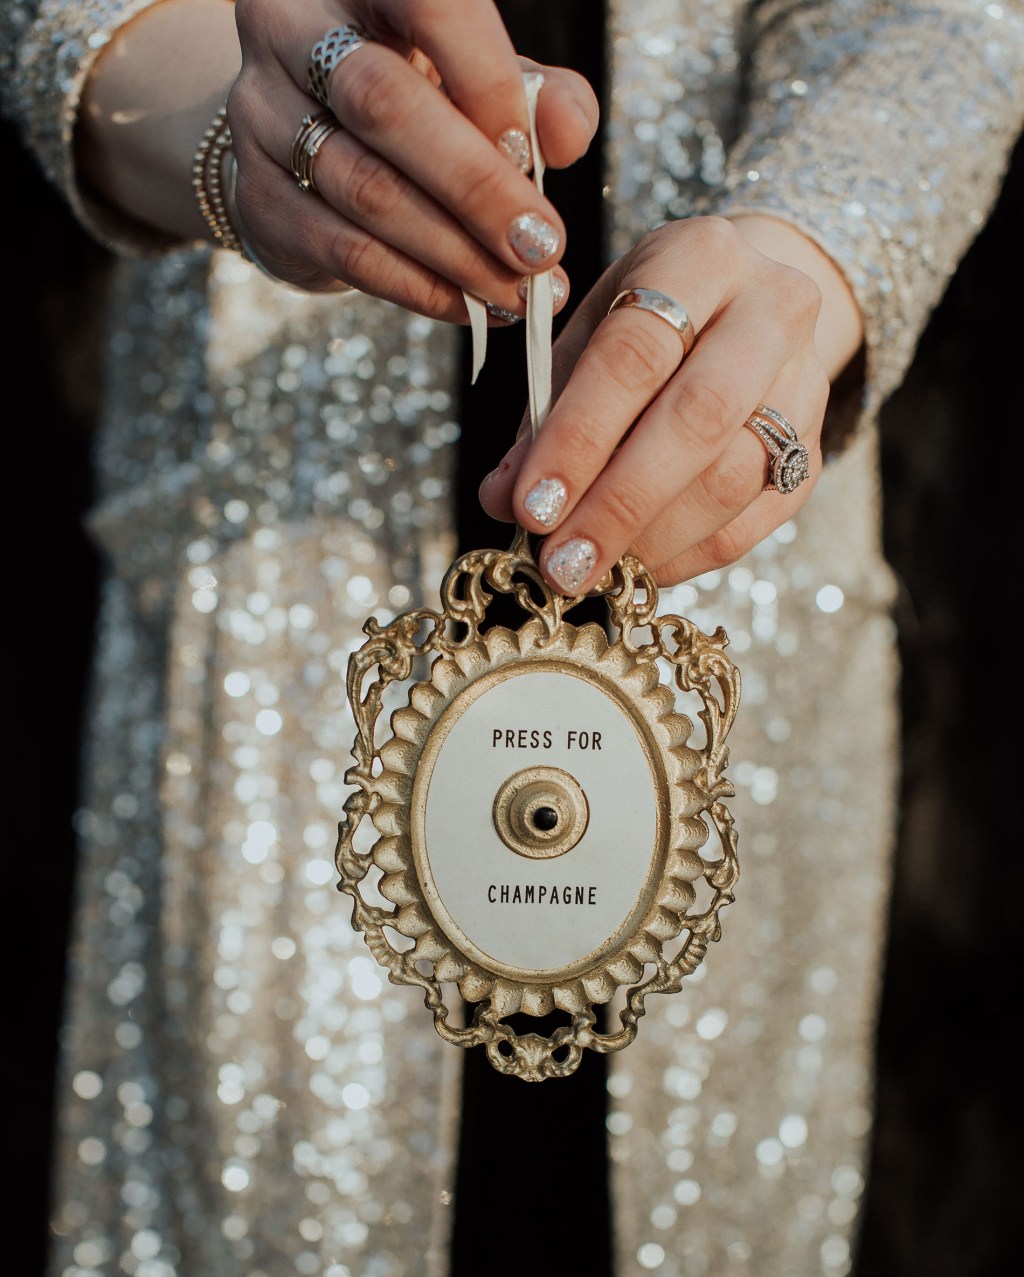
(384, 779)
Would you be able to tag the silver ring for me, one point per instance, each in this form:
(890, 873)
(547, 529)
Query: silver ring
(789, 463)
(664, 307)
(315, 131)
(327, 54)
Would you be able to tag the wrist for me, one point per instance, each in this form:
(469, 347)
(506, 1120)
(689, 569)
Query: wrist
(149, 99)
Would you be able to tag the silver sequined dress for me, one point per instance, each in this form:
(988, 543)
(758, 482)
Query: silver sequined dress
(241, 1092)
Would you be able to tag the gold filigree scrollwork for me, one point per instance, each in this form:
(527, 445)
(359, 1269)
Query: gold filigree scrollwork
(667, 935)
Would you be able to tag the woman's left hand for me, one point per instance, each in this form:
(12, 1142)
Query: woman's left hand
(647, 452)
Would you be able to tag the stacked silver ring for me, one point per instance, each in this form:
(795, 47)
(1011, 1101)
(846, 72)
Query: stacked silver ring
(789, 464)
(327, 54)
(315, 131)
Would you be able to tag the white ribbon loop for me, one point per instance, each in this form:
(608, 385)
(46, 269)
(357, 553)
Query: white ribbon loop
(540, 296)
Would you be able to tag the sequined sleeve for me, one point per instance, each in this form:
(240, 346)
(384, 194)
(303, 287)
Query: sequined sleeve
(882, 131)
(47, 50)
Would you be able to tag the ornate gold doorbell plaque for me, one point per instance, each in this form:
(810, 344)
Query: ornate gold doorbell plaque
(539, 832)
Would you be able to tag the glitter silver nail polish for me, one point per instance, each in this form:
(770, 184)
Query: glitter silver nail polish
(532, 239)
(571, 564)
(499, 312)
(515, 145)
(545, 501)
(557, 288)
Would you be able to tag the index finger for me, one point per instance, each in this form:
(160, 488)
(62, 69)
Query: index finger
(468, 44)
(399, 115)
(600, 488)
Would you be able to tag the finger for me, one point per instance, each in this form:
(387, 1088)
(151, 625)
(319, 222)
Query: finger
(370, 192)
(567, 114)
(690, 426)
(739, 478)
(620, 372)
(691, 417)
(497, 487)
(308, 244)
(496, 490)
(467, 42)
(399, 115)
(672, 563)
(713, 250)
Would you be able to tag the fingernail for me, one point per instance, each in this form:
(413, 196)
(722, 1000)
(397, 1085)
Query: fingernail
(499, 312)
(557, 288)
(515, 145)
(532, 239)
(545, 501)
(571, 564)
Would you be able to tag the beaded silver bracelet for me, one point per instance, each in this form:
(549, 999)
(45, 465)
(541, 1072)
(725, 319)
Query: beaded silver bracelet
(208, 181)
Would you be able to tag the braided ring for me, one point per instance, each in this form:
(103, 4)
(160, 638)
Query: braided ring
(327, 55)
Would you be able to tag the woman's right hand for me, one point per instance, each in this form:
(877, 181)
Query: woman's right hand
(417, 201)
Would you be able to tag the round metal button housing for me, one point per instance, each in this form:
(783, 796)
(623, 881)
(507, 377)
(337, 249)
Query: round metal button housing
(541, 812)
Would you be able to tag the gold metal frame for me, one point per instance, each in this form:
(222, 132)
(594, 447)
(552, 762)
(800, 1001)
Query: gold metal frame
(391, 784)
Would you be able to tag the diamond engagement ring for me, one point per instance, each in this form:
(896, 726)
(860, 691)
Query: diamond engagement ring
(327, 54)
(664, 307)
(788, 464)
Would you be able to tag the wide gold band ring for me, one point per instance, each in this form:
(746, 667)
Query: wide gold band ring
(665, 307)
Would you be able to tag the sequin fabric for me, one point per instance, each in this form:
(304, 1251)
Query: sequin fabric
(242, 1093)
(881, 130)
(738, 1126)
(47, 50)
(738, 1130)
(248, 1096)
